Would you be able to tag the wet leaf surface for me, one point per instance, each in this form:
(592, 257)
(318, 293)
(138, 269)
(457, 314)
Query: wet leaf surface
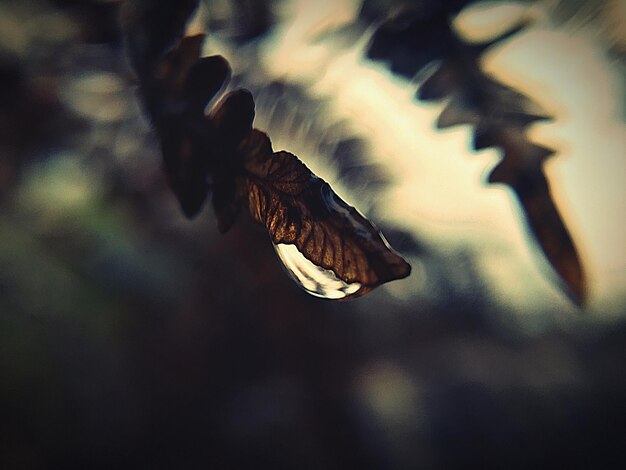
(299, 208)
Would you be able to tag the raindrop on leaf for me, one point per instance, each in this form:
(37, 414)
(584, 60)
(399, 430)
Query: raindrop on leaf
(314, 279)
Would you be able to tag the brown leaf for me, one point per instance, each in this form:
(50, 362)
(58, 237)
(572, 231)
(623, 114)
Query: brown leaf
(175, 99)
(233, 117)
(174, 68)
(206, 77)
(296, 207)
(232, 121)
(522, 168)
(553, 237)
(301, 209)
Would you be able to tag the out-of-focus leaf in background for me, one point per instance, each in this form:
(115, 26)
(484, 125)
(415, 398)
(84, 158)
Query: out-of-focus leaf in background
(421, 37)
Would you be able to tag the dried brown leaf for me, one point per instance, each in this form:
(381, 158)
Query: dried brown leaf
(298, 208)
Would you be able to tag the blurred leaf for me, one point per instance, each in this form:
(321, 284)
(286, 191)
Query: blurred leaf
(175, 99)
(151, 28)
(423, 36)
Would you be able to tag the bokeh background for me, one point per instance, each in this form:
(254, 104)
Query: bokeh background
(130, 335)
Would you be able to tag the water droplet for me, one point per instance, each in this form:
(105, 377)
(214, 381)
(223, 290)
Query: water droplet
(314, 279)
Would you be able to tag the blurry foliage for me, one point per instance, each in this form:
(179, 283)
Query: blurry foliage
(421, 36)
(129, 336)
(240, 20)
(605, 18)
(221, 154)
